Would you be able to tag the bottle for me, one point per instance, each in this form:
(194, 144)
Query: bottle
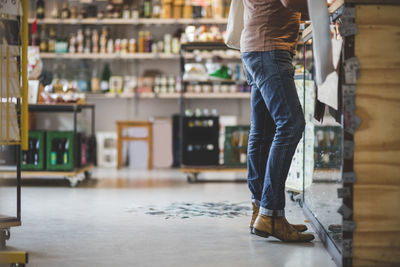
(43, 40)
(55, 12)
(147, 8)
(95, 42)
(103, 40)
(65, 13)
(95, 81)
(105, 79)
(156, 9)
(52, 40)
(80, 39)
(36, 152)
(65, 152)
(141, 42)
(88, 41)
(40, 9)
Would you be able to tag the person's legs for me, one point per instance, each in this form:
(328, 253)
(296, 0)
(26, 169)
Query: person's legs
(272, 73)
(262, 130)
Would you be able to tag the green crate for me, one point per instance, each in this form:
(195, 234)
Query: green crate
(60, 149)
(235, 145)
(36, 141)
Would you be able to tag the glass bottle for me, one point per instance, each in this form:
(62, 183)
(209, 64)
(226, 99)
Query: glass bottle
(156, 9)
(43, 40)
(55, 12)
(147, 8)
(105, 79)
(52, 40)
(40, 9)
(65, 13)
(95, 81)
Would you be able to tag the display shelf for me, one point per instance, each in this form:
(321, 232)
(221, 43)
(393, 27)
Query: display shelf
(95, 56)
(65, 107)
(7, 222)
(237, 95)
(39, 174)
(121, 21)
(193, 172)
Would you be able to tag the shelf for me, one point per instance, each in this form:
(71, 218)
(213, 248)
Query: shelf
(200, 169)
(204, 46)
(238, 95)
(120, 21)
(41, 174)
(95, 56)
(58, 107)
(6, 222)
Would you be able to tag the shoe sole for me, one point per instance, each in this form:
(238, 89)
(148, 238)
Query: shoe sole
(266, 235)
(261, 233)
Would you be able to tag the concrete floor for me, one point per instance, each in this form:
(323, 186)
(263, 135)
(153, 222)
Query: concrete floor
(92, 226)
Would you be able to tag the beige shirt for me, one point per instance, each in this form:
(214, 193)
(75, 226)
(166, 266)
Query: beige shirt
(268, 25)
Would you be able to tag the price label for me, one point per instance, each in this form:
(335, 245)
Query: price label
(10, 7)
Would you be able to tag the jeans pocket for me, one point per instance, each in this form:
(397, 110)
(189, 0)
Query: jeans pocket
(283, 60)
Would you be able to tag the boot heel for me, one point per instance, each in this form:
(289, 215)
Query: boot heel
(260, 233)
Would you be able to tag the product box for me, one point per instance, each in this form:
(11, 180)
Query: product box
(34, 159)
(200, 141)
(60, 151)
(235, 146)
(8, 155)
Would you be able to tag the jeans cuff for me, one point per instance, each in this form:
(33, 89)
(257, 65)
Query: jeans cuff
(267, 212)
(256, 202)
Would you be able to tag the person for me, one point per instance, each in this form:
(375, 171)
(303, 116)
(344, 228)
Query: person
(268, 42)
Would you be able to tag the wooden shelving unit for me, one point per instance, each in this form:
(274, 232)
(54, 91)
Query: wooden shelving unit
(120, 21)
(237, 95)
(113, 56)
(139, 56)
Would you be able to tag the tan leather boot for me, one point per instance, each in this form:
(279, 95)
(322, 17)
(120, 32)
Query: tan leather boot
(279, 227)
(298, 227)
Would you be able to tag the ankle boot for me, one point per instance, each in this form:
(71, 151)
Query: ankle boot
(298, 227)
(279, 227)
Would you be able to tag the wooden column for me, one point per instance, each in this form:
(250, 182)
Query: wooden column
(377, 141)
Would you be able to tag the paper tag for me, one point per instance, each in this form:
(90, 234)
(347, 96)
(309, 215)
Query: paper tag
(349, 177)
(348, 29)
(345, 211)
(349, 226)
(348, 90)
(349, 12)
(349, 102)
(351, 122)
(347, 248)
(351, 63)
(343, 192)
(348, 149)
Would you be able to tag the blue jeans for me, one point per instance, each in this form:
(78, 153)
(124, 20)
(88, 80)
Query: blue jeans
(277, 125)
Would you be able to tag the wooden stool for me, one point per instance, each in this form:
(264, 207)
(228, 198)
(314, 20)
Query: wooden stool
(121, 125)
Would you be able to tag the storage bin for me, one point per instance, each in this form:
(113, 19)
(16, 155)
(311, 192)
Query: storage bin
(235, 146)
(34, 159)
(60, 151)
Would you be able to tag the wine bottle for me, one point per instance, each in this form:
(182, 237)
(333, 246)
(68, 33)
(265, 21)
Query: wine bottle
(43, 40)
(40, 8)
(105, 79)
(65, 152)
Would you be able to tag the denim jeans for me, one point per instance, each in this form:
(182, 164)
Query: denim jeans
(277, 125)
